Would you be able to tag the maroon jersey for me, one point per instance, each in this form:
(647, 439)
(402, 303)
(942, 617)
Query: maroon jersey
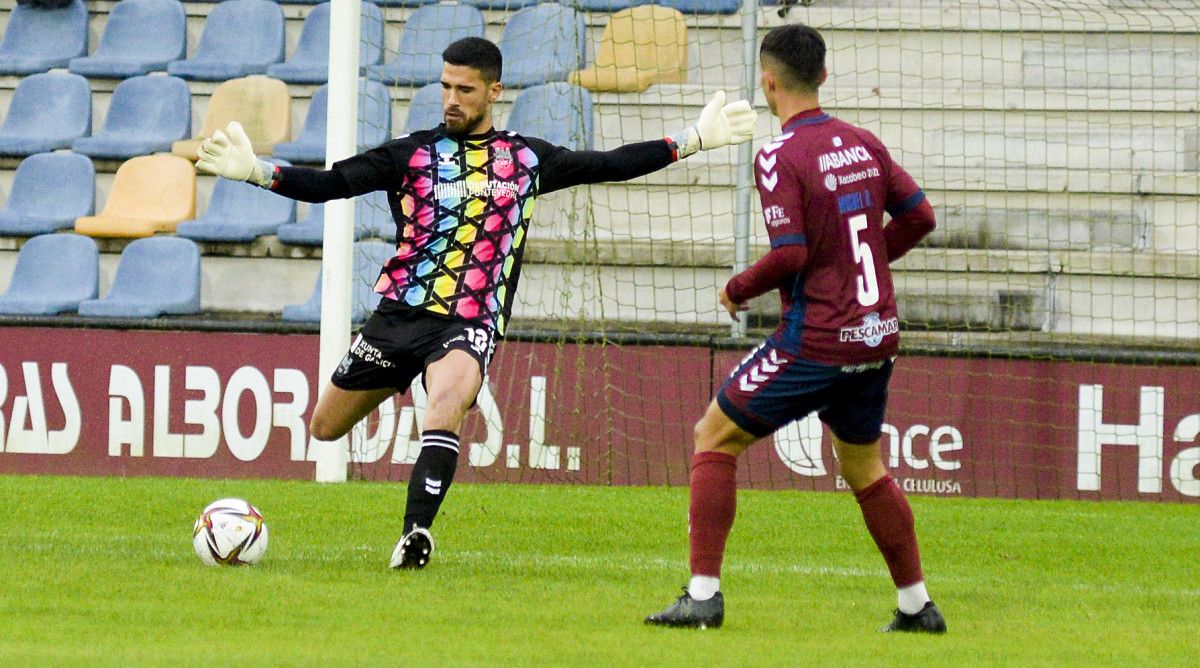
(826, 184)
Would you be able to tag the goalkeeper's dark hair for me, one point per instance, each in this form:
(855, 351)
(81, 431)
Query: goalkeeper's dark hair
(796, 53)
(478, 53)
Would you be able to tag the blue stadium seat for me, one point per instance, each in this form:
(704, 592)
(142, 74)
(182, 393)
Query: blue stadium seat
(308, 231)
(49, 191)
(427, 33)
(146, 115)
(542, 43)
(425, 108)
(38, 39)
(510, 5)
(140, 36)
(48, 111)
(155, 276)
(309, 64)
(605, 5)
(372, 218)
(54, 273)
(559, 112)
(241, 37)
(369, 257)
(374, 123)
(239, 212)
(404, 3)
(702, 6)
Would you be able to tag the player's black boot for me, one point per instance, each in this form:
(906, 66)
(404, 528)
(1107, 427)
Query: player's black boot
(687, 611)
(414, 550)
(928, 620)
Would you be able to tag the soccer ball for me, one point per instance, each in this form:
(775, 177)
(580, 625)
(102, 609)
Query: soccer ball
(230, 532)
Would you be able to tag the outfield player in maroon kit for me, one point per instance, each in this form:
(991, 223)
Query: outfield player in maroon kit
(824, 185)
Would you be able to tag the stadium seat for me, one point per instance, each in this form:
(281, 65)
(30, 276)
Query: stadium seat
(155, 276)
(604, 5)
(702, 6)
(37, 40)
(239, 212)
(150, 193)
(372, 218)
(48, 111)
(147, 114)
(510, 5)
(559, 112)
(542, 43)
(240, 37)
(640, 46)
(425, 108)
(261, 104)
(369, 257)
(309, 64)
(428, 31)
(374, 123)
(49, 191)
(140, 36)
(54, 273)
(404, 3)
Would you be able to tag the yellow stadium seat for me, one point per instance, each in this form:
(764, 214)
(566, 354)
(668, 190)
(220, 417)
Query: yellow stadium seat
(261, 104)
(640, 46)
(150, 193)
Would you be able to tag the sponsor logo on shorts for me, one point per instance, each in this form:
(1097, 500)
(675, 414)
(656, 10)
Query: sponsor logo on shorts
(368, 353)
(871, 331)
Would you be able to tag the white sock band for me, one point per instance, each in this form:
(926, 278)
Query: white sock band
(912, 598)
(703, 587)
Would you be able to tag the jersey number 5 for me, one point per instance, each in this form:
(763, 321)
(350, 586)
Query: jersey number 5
(868, 285)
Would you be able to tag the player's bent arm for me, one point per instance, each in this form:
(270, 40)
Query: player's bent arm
(775, 269)
(908, 228)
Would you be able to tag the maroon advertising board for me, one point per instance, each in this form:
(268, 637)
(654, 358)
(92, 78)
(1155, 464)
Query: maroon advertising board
(216, 404)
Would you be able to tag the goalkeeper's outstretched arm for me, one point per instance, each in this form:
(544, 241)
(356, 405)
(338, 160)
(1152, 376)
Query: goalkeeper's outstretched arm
(228, 153)
(720, 124)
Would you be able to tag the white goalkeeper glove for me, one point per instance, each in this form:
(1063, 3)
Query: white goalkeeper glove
(720, 124)
(229, 153)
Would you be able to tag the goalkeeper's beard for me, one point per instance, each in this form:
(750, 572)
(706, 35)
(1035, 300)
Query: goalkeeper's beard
(463, 124)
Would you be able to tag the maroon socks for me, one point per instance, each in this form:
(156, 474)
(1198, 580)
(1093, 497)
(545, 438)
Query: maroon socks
(890, 521)
(713, 503)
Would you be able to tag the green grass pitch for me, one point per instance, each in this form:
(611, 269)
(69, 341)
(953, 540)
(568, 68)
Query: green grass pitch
(100, 571)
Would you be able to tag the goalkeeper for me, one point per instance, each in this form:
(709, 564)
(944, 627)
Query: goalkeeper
(462, 195)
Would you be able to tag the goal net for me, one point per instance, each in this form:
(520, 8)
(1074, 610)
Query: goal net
(1050, 323)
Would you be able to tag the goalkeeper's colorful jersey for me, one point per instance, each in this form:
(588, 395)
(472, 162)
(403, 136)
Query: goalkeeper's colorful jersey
(462, 207)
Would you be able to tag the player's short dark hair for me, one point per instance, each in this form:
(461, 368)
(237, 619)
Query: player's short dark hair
(796, 52)
(478, 53)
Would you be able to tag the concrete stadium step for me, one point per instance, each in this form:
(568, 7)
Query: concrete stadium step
(1092, 293)
(648, 210)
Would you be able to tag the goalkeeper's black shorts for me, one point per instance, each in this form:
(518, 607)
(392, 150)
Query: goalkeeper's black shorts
(398, 342)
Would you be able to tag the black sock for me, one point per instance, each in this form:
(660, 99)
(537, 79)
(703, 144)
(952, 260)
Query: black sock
(431, 477)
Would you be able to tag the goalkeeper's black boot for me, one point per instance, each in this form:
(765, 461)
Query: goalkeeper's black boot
(687, 611)
(414, 550)
(928, 620)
